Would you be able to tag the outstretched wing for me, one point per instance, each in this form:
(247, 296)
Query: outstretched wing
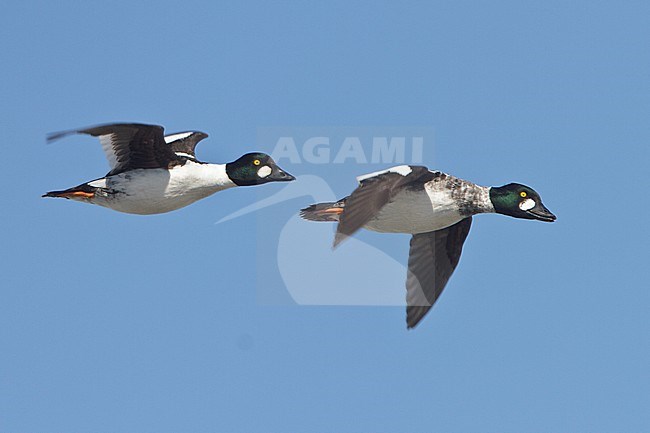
(184, 143)
(129, 145)
(432, 259)
(373, 193)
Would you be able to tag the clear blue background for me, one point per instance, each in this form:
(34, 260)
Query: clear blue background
(120, 323)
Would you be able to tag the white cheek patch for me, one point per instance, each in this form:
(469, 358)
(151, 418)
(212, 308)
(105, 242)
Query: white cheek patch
(527, 204)
(264, 171)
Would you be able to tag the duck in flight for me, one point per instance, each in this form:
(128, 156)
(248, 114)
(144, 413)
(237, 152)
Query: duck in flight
(436, 209)
(152, 173)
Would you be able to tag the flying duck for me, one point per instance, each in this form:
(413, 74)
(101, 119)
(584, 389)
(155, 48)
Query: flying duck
(436, 209)
(152, 173)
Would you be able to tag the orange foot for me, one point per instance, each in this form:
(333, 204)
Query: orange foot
(334, 210)
(80, 194)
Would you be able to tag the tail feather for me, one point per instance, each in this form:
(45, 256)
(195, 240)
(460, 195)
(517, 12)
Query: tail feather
(330, 211)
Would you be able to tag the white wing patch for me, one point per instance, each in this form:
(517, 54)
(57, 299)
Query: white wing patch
(186, 155)
(99, 183)
(179, 136)
(404, 170)
(264, 171)
(527, 204)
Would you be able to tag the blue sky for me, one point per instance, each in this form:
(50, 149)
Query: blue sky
(120, 323)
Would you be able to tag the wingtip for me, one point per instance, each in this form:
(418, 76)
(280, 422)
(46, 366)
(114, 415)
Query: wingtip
(53, 136)
(338, 239)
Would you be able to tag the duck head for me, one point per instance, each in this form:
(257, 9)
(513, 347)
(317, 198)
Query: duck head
(255, 169)
(519, 201)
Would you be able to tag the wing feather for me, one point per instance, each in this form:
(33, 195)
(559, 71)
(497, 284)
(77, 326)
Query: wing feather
(185, 142)
(433, 257)
(371, 195)
(129, 146)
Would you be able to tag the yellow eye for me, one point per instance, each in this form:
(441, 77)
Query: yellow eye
(523, 194)
(257, 162)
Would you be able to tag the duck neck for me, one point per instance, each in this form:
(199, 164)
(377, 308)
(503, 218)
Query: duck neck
(481, 201)
(211, 176)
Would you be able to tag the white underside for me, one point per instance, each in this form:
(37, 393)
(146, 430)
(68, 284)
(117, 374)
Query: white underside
(152, 191)
(416, 212)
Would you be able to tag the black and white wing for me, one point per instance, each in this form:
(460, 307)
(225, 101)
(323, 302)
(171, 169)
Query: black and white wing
(129, 145)
(374, 192)
(432, 259)
(184, 143)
